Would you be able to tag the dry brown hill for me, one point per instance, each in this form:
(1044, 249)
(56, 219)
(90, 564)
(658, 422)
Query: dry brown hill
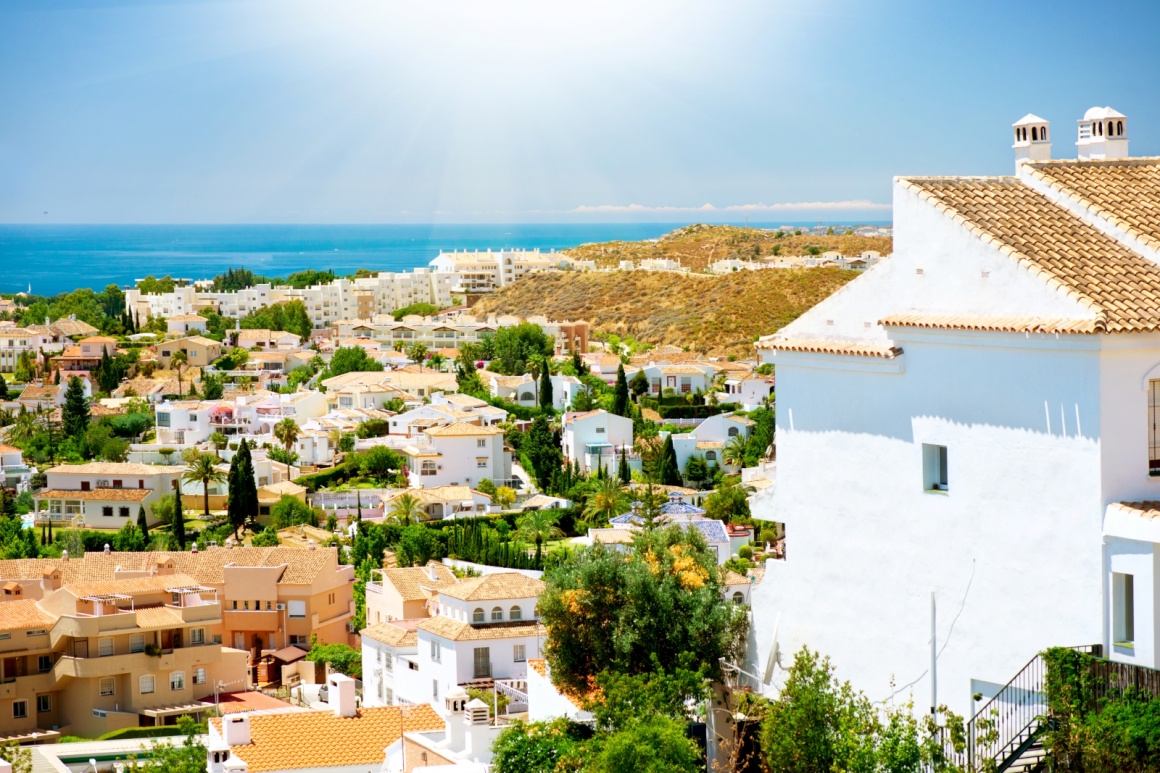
(696, 246)
(711, 314)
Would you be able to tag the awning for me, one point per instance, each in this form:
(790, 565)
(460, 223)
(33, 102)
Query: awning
(169, 711)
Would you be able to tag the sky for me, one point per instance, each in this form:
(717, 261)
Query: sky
(285, 111)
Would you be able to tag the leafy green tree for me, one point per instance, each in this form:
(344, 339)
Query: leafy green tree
(212, 387)
(75, 411)
(620, 394)
(578, 365)
(350, 359)
(417, 546)
(20, 757)
(267, 538)
(292, 511)
(649, 745)
(517, 346)
(219, 441)
(639, 384)
(537, 526)
(761, 437)
(728, 503)
(535, 747)
(696, 469)
(340, 657)
(286, 432)
(204, 470)
(486, 486)
(545, 387)
(417, 353)
(421, 309)
(505, 496)
(608, 611)
(129, 539)
(290, 316)
(378, 462)
(670, 473)
(607, 500)
(734, 451)
(406, 509)
(153, 286)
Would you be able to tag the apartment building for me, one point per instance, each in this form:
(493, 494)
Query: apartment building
(88, 657)
(14, 473)
(325, 304)
(412, 383)
(199, 350)
(484, 272)
(270, 597)
(14, 341)
(450, 334)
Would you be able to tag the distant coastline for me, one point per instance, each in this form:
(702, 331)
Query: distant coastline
(60, 258)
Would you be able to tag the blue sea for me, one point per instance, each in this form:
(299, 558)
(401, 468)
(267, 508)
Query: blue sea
(55, 259)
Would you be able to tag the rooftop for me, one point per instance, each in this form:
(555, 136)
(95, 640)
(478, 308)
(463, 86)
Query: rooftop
(495, 587)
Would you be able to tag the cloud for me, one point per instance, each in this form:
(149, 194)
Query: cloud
(789, 206)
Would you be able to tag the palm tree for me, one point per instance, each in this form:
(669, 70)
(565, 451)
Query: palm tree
(204, 470)
(605, 501)
(406, 509)
(219, 441)
(538, 525)
(178, 362)
(734, 451)
(286, 431)
(23, 427)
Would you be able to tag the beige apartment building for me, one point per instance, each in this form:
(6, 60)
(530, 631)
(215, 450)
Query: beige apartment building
(88, 658)
(267, 598)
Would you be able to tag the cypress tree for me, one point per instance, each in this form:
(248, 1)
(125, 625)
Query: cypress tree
(3, 388)
(545, 387)
(620, 395)
(247, 484)
(178, 525)
(75, 412)
(670, 472)
(625, 473)
(143, 523)
(234, 503)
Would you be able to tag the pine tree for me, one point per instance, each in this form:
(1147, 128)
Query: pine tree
(545, 387)
(625, 473)
(143, 523)
(620, 395)
(178, 525)
(75, 412)
(670, 472)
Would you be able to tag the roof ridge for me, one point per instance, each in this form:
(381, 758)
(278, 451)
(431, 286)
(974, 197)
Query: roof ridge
(1023, 259)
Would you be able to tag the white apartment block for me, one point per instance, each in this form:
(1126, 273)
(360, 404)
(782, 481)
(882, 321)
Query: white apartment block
(484, 272)
(465, 329)
(325, 304)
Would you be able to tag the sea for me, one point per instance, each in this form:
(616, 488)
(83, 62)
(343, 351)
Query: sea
(50, 259)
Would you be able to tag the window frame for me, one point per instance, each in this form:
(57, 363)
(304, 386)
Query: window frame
(520, 653)
(293, 604)
(141, 684)
(178, 678)
(112, 686)
(478, 615)
(21, 704)
(44, 703)
(515, 613)
(203, 673)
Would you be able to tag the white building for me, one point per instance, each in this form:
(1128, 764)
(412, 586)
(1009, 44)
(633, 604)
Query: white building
(596, 439)
(102, 495)
(481, 272)
(458, 454)
(709, 438)
(484, 628)
(1006, 368)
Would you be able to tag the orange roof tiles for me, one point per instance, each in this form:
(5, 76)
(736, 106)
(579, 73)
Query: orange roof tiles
(99, 495)
(496, 587)
(457, 630)
(1119, 285)
(1147, 509)
(389, 633)
(990, 324)
(320, 739)
(820, 346)
(410, 581)
(23, 614)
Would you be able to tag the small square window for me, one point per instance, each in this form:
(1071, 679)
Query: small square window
(519, 653)
(934, 468)
(108, 686)
(107, 511)
(177, 680)
(137, 643)
(147, 684)
(43, 703)
(44, 663)
(197, 636)
(199, 675)
(19, 709)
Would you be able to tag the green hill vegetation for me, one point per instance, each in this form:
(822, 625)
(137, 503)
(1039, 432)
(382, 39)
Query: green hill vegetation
(697, 246)
(712, 314)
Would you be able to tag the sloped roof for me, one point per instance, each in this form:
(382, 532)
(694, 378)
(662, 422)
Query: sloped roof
(496, 587)
(391, 634)
(322, 740)
(456, 630)
(409, 581)
(23, 614)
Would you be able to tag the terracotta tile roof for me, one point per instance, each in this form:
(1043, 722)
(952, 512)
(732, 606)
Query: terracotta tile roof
(321, 740)
(1146, 509)
(158, 617)
(9, 450)
(97, 495)
(1119, 285)
(436, 494)
(207, 567)
(409, 581)
(612, 536)
(461, 429)
(709, 444)
(389, 633)
(23, 614)
(116, 468)
(1125, 192)
(72, 327)
(819, 346)
(991, 324)
(733, 578)
(130, 585)
(457, 630)
(496, 587)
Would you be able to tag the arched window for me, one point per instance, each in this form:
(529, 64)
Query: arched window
(516, 614)
(1043, 133)
(1119, 128)
(1025, 133)
(497, 615)
(477, 616)
(1100, 128)
(1034, 133)
(1017, 133)
(710, 456)
(733, 432)
(738, 597)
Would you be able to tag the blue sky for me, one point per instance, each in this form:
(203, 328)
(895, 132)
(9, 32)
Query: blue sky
(511, 111)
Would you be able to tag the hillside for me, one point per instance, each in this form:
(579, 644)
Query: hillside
(696, 246)
(711, 314)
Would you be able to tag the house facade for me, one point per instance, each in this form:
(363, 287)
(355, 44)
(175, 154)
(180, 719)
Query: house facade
(596, 439)
(992, 480)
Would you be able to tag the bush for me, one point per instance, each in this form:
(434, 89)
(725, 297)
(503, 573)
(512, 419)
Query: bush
(746, 552)
(291, 511)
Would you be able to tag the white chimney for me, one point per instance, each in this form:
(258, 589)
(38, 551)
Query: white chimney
(1103, 134)
(216, 754)
(236, 730)
(454, 705)
(341, 695)
(477, 724)
(432, 572)
(1031, 140)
